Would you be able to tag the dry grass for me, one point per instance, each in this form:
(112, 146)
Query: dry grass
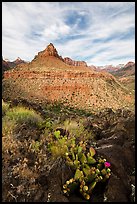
(22, 115)
(5, 107)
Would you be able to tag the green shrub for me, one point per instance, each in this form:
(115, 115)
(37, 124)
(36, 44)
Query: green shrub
(46, 124)
(15, 118)
(22, 115)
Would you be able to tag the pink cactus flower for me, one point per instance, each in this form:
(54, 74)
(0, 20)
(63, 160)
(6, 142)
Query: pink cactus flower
(107, 164)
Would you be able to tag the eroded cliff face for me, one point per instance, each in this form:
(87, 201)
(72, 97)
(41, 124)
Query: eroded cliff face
(69, 61)
(129, 64)
(48, 78)
(81, 89)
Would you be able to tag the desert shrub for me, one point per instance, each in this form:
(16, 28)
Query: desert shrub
(77, 130)
(46, 124)
(20, 123)
(9, 146)
(22, 115)
(7, 126)
(70, 124)
(5, 107)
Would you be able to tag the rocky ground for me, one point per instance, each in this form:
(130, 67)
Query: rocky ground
(29, 175)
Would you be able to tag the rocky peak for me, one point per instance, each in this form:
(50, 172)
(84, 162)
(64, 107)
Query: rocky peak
(18, 59)
(129, 64)
(49, 51)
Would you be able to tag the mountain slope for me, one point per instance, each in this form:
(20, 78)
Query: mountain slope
(126, 76)
(127, 70)
(7, 65)
(48, 78)
(48, 60)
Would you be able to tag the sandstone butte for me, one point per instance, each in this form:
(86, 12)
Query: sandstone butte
(49, 77)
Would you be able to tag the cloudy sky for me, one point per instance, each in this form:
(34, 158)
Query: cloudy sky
(99, 33)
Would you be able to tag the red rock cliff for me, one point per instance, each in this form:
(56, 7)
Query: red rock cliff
(71, 62)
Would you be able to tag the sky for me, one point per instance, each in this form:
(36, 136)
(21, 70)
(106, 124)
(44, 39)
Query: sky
(100, 33)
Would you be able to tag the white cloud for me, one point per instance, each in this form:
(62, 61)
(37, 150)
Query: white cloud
(55, 31)
(28, 27)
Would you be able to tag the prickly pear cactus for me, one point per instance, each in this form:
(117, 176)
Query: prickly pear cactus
(88, 171)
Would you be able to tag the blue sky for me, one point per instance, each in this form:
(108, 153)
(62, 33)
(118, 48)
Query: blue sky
(99, 33)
